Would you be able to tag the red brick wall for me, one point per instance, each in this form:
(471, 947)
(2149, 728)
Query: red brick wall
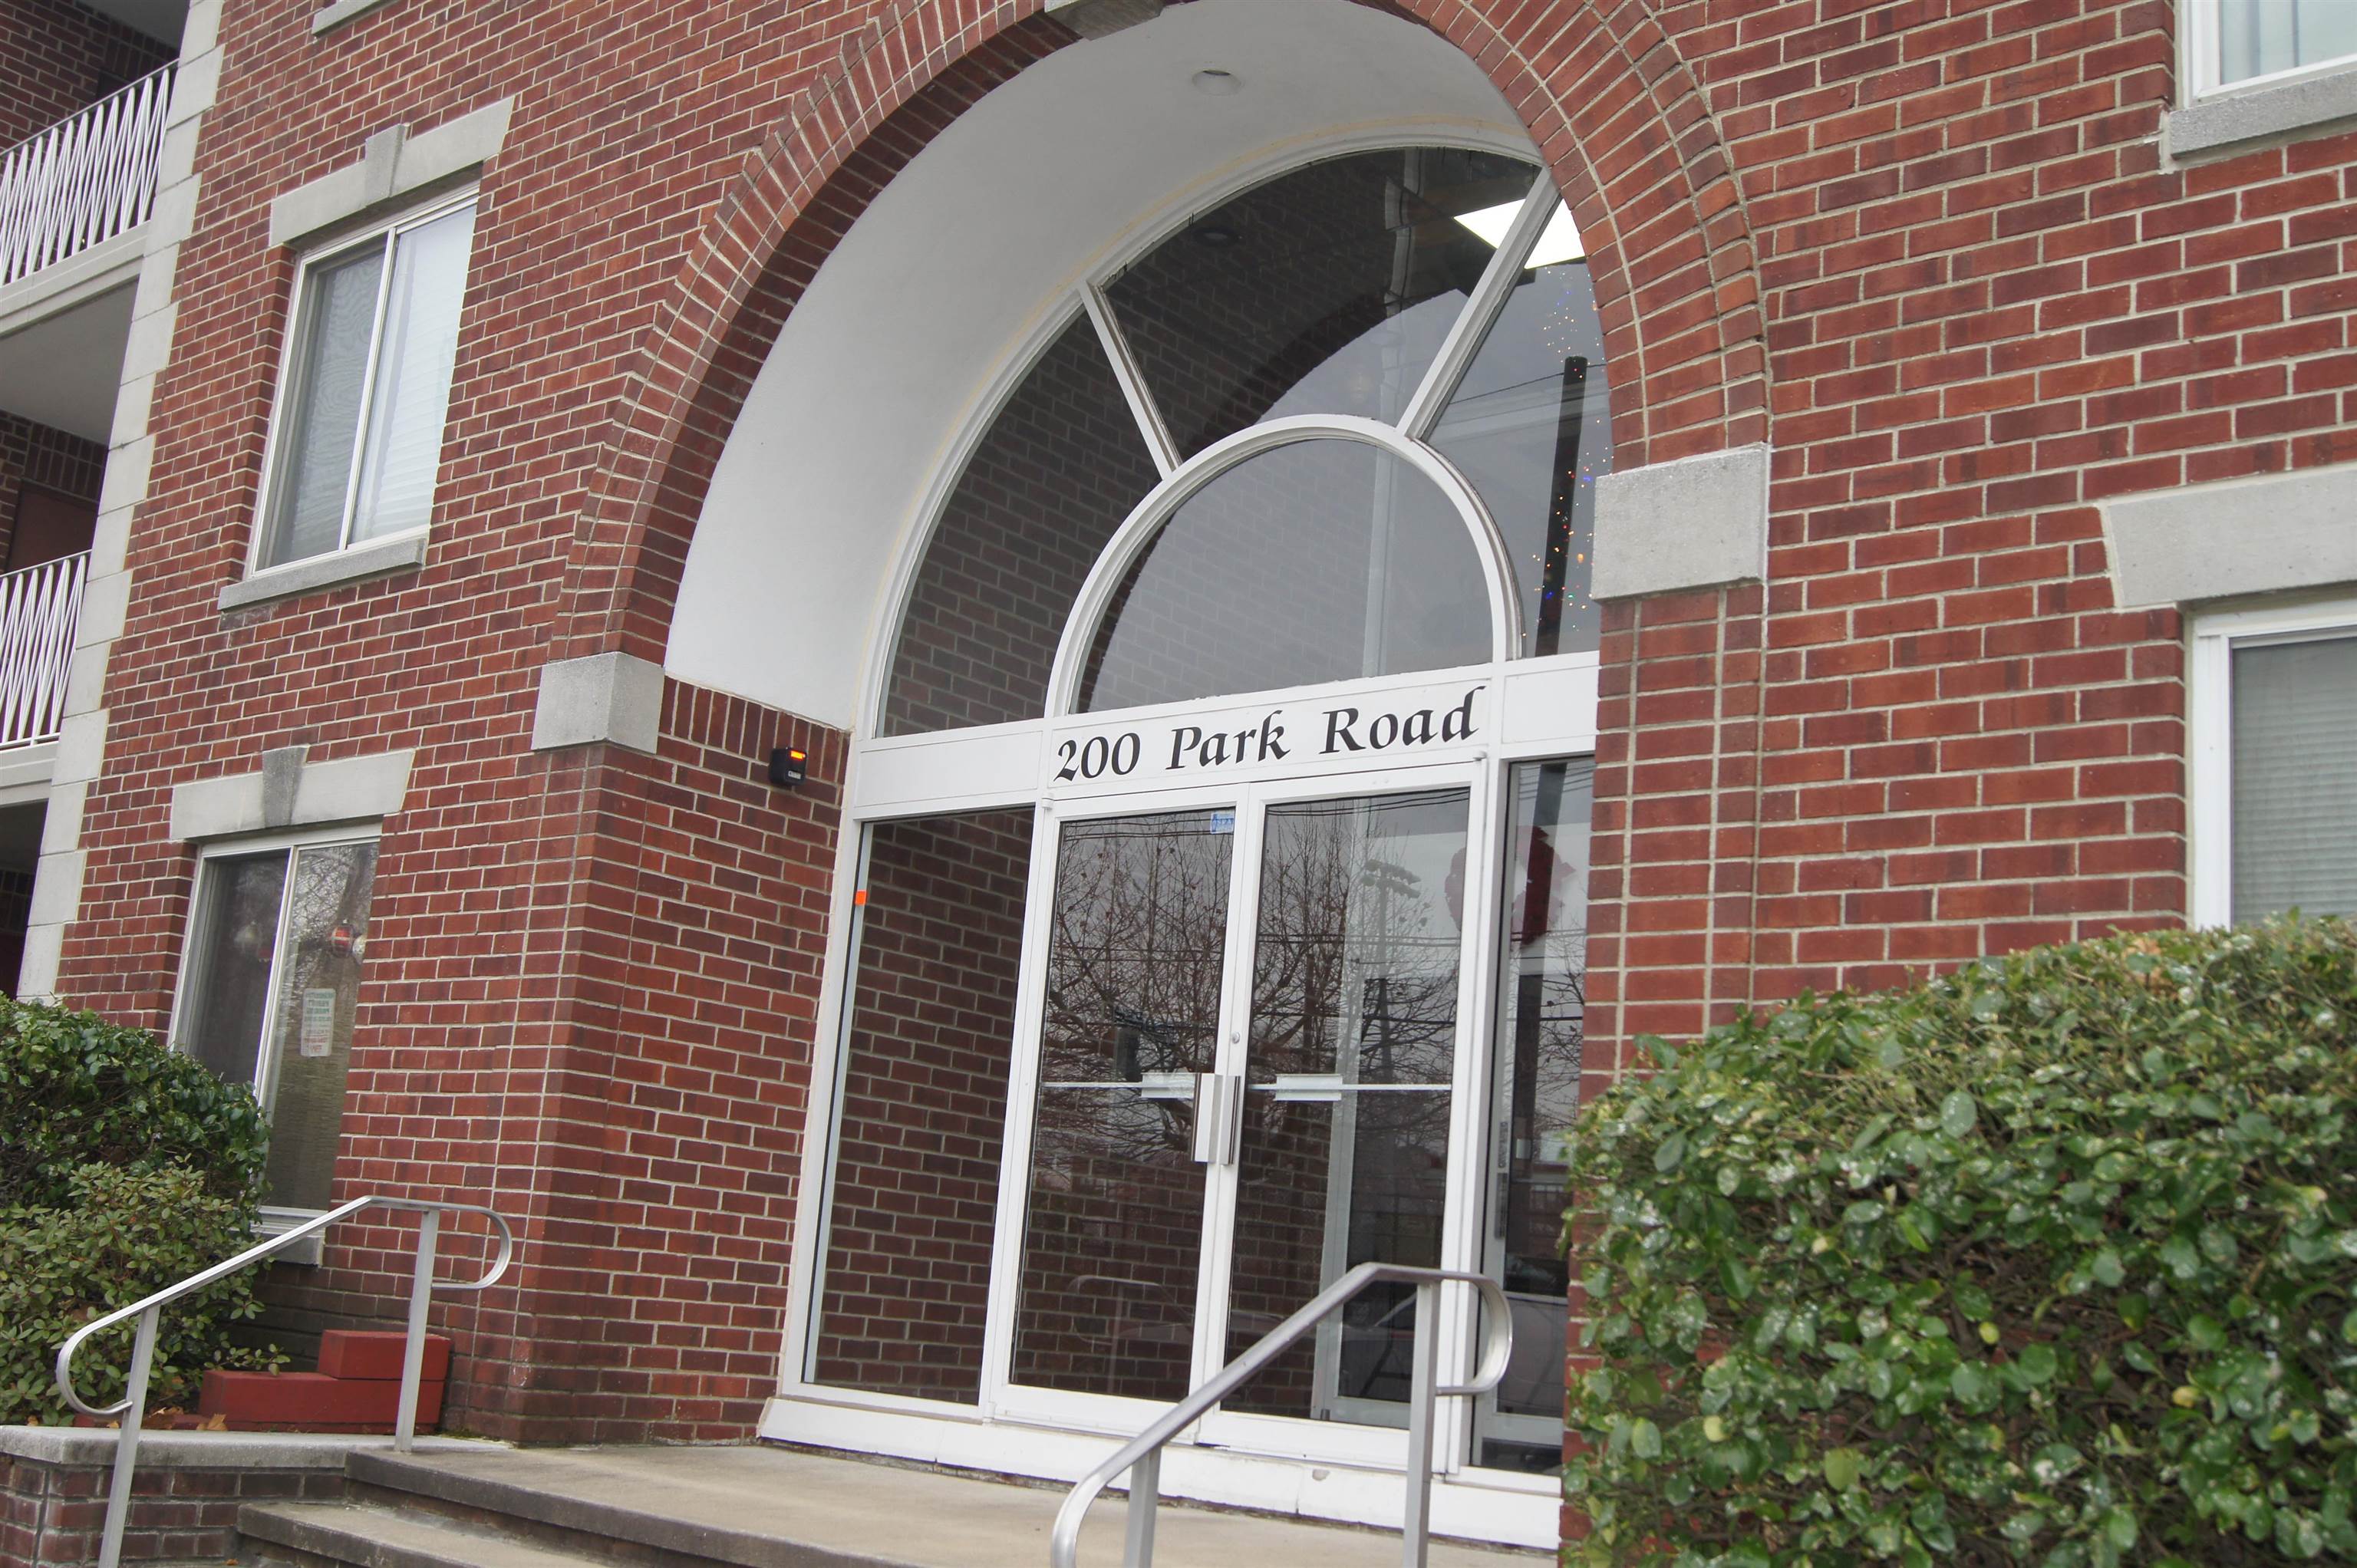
(39, 455)
(57, 58)
(1924, 248)
(55, 1513)
(1988, 309)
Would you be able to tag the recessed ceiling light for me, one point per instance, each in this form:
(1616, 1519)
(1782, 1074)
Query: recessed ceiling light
(1217, 84)
(1559, 243)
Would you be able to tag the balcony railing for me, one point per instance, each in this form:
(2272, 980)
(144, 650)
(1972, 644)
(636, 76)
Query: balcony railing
(38, 606)
(84, 180)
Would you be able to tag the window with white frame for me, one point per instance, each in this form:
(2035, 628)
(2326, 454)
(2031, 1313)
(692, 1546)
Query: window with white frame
(269, 981)
(2274, 784)
(367, 386)
(2232, 45)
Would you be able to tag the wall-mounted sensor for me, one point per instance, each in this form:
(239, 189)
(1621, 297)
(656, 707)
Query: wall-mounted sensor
(789, 766)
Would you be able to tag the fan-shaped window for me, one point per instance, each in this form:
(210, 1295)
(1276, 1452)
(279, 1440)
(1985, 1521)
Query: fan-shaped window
(1317, 561)
(1059, 467)
(1326, 291)
(1345, 290)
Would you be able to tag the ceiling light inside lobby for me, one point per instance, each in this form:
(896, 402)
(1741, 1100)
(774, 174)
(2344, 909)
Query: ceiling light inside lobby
(1560, 242)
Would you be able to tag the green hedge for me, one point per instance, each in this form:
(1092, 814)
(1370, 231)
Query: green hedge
(124, 1167)
(118, 1235)
(76, 1089)
(2052, 1261)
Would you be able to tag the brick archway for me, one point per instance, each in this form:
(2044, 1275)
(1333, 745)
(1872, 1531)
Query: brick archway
(1606, 97)
(1610, 100)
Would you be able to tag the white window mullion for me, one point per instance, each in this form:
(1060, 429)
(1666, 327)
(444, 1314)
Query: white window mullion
(2282, 793)
(2212, 781)
(265, 1054)
(1473, 323)
(368, 390)
(1132, 382)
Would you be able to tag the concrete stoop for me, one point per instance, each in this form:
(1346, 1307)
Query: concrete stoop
(749, 1508)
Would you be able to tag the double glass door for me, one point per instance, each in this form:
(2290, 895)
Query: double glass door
(1251, 1013)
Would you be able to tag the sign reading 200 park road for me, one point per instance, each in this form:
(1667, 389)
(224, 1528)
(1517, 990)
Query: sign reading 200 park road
(1396, 724)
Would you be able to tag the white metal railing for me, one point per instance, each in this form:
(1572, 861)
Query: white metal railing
(38, 606)
(86, 178)
(1142, 1454)
(133, 1406)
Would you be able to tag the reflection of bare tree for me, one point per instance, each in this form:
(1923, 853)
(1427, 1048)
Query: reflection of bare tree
(1351, 949)
(1355, 981)
(322, 939)
(1139, 931)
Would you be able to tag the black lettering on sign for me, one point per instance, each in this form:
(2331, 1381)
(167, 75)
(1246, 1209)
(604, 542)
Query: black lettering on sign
(1459, 725)
(1272, 737)
(1097, 755)
(1345, 733)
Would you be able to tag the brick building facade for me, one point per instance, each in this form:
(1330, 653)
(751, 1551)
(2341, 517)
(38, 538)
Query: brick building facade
(1966, 360)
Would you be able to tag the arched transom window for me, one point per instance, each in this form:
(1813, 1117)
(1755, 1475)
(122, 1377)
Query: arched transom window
(1214, 912)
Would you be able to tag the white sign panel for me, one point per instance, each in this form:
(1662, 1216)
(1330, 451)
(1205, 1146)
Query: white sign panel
(1398, 726)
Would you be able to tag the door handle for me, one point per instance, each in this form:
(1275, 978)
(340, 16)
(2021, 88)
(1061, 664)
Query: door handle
(1219, 1117)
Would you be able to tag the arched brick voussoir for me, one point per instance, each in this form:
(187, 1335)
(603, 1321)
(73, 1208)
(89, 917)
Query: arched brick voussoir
(898, 81)
(1623, 122)
(1603, 91)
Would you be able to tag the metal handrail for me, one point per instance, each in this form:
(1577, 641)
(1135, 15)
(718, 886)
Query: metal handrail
(1142, 1454)
(133, 1406)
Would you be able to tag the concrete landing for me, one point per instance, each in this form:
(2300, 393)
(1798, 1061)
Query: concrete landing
(771, 1507)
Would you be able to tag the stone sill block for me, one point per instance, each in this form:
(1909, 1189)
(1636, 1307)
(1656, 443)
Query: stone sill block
(336, 569)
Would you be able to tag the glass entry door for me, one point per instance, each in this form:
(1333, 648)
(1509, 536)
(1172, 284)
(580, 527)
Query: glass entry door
(1113, 1226)
(1251, 1030)
(1350, 1047)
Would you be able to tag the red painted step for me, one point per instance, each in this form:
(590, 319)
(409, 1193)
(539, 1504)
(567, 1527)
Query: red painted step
(357, 1388)
(358, 1353)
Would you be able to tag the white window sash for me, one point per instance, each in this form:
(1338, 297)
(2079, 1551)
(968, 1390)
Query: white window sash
(285, 845)
(2200, 65)
(2210, 675)
(289, 395)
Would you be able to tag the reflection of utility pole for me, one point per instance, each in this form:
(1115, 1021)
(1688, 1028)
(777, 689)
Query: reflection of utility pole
(1386, 879)
(1375, 633)
(1555, 571)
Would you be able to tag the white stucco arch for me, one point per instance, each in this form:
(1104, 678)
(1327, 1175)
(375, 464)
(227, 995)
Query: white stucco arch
(945, 286)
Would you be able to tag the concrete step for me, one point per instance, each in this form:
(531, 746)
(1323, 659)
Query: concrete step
(769, 1507)
(351, 1535)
